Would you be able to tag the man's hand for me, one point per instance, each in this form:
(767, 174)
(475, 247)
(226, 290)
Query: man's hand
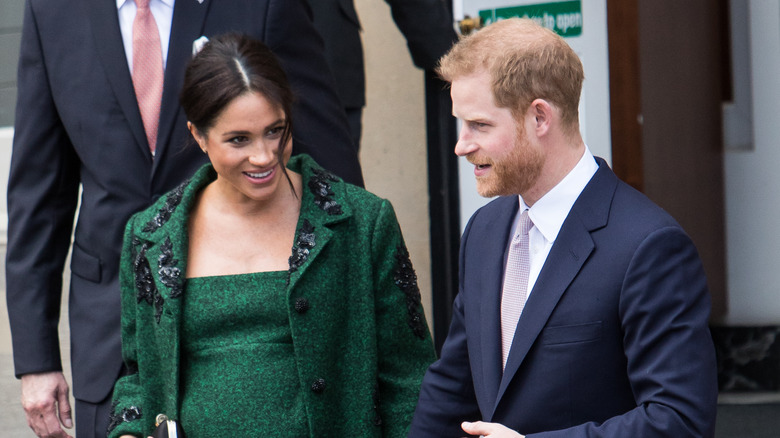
(489, 430)
(45, 401)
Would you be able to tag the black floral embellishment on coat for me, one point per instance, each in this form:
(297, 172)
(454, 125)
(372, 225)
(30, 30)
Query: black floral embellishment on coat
(303, 246)
(126, 415)
(170, 274)
(319, 184)
(144, 281)
(376, 400)
(406, 280)
(164, 213)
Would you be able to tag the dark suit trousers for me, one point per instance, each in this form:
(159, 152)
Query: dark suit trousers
(92, 419)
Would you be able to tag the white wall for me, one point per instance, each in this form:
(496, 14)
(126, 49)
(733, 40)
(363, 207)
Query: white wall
(752, 185)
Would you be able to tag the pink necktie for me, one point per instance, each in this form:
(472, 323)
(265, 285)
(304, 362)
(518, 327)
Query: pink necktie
(147, 69)
(515, 289)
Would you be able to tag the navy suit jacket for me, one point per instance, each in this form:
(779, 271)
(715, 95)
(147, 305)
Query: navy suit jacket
(613, 340)
(78, 126)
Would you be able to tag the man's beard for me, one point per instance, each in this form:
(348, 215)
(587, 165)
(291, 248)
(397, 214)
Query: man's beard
(514, 174)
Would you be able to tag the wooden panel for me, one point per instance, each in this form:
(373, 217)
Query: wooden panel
(680, 60)
(666, 86)
(622, 22)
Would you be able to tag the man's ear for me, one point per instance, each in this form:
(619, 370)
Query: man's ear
(543, 113)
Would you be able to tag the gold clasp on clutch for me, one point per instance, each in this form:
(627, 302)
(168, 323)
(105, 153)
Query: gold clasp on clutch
(160, 419)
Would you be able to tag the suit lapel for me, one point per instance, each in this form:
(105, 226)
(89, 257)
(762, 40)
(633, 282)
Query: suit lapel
(490, 248)
(188, 21)
(571, 249)
(107, 37)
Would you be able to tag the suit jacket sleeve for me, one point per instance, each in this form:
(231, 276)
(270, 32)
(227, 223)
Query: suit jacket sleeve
(428, 28)
(319, 116)
(664, 311)
(42, 198)
(404, 344)
(447, 395)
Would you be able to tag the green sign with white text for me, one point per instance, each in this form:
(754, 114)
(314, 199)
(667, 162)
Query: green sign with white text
(565, 18)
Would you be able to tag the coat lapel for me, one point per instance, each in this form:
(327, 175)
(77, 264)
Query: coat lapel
(318, 213)
(571, 249)
(173, 249)
(165, 231)
(107, 37)
(189, 18)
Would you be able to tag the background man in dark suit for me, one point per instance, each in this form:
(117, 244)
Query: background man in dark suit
(78, 124)
(602, 331)
(426, 25)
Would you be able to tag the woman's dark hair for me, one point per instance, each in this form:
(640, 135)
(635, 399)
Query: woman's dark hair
(227, 67)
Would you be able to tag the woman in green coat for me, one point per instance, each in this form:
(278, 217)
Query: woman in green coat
(227, 330)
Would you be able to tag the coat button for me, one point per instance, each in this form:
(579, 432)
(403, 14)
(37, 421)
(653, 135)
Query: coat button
(301, 305)
(318, 386)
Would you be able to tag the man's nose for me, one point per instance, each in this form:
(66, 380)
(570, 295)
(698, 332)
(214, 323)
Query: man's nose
(465, 144)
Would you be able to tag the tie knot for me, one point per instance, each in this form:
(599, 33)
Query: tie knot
(523, 227)
(525, 223)
(142, 4)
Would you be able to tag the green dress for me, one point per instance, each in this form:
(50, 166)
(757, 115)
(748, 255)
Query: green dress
(237, 327)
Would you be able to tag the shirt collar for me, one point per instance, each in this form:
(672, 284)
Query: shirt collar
(549, 212)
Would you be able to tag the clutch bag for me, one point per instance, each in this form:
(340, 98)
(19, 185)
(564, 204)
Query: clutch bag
(167, 428)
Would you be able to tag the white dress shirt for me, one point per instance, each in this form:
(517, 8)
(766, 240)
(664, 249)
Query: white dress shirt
(162, 10)
(549, 213)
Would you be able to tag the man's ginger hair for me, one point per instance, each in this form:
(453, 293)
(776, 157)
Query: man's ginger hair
(525, 61)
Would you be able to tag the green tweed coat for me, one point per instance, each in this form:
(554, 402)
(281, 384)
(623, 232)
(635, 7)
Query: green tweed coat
(359, 335)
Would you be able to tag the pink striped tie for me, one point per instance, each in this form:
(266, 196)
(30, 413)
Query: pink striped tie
(515, 289)
(147, 69)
